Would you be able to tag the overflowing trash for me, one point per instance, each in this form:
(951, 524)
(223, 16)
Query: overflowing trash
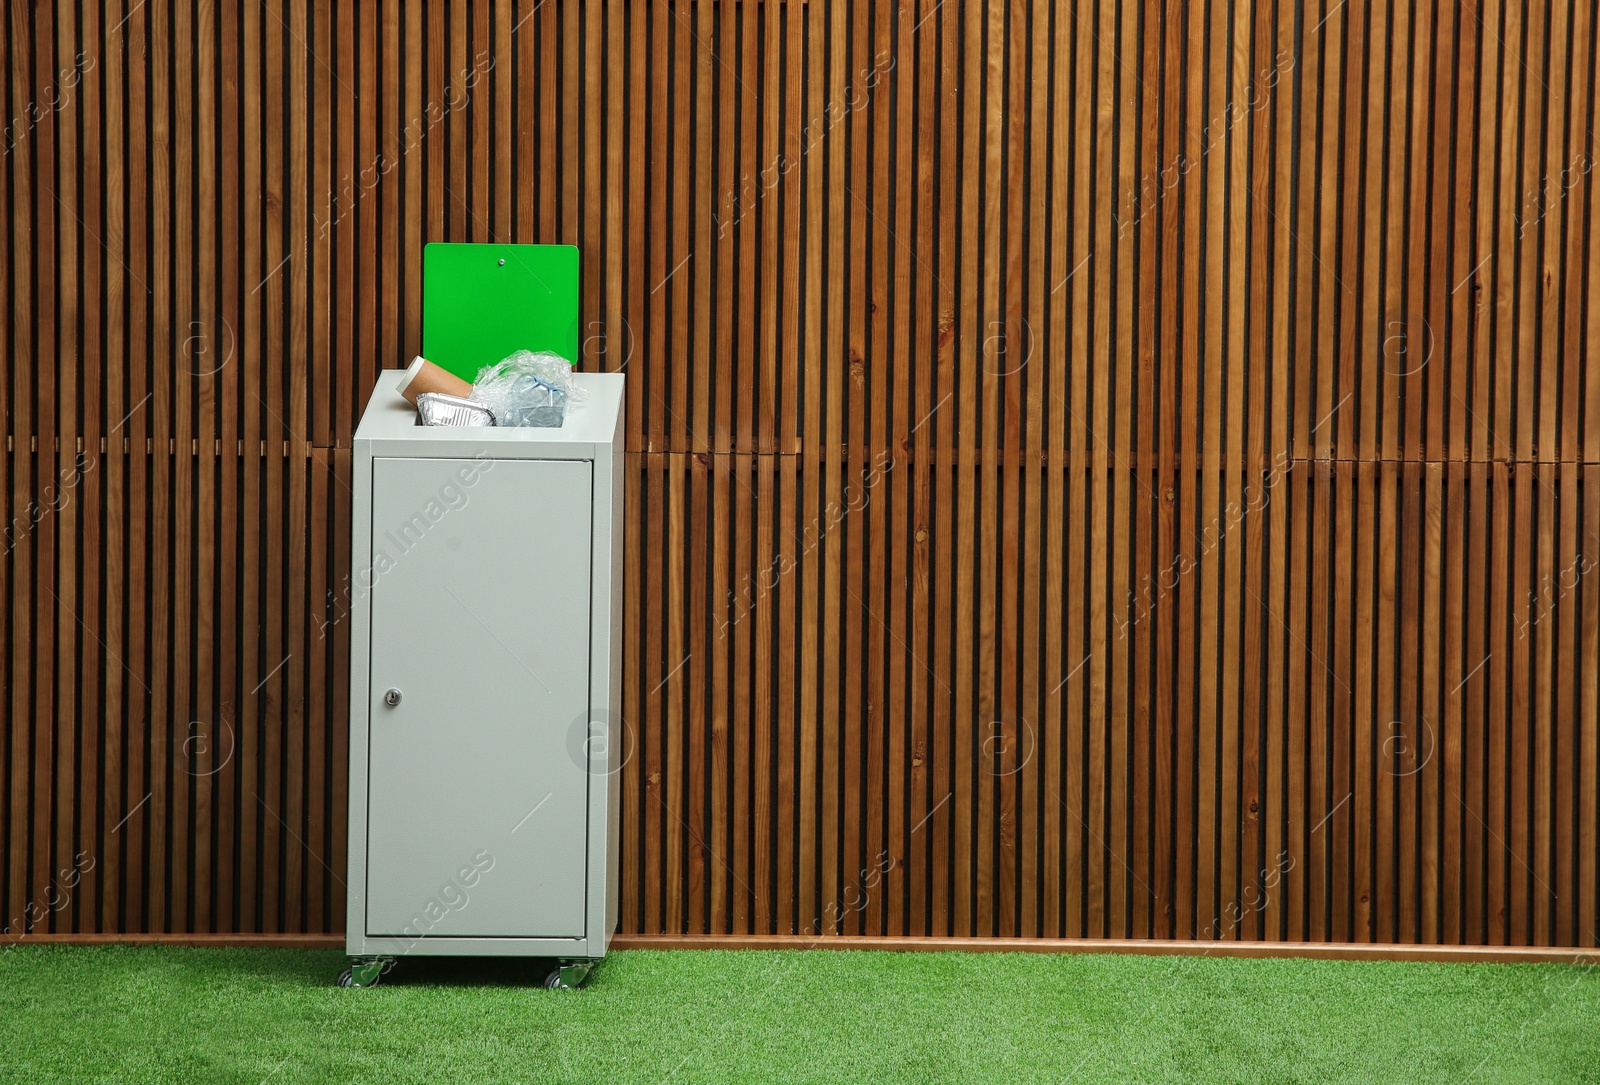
(527, 388)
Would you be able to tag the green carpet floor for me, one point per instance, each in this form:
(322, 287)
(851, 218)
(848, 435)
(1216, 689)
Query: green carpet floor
(122, 1014)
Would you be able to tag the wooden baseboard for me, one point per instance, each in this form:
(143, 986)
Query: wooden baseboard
(1334, 951)
(272, 941)
(1337, 951)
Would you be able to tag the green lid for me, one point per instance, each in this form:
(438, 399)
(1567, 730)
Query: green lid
(482, 302)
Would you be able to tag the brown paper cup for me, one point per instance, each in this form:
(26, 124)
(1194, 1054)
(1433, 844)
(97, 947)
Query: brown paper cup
(423, 376)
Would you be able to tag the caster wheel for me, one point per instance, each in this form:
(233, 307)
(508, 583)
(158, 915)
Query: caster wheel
(365, 973)
(569, 975)
(347, 979)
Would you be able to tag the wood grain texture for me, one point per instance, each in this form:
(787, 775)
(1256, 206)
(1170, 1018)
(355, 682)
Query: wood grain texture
(1094, 470)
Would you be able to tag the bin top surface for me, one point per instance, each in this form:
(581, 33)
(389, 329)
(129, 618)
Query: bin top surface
(593, 421)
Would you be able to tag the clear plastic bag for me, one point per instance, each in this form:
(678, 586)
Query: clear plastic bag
(528, 388)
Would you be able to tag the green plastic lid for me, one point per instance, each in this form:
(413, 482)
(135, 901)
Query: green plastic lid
(482, 302)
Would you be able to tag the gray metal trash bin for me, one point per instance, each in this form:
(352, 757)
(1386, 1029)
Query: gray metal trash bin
(485, 685)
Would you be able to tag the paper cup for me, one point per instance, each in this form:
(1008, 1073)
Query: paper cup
(423, 376)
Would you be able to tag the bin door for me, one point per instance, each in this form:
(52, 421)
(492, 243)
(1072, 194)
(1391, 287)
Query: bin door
(477, 797)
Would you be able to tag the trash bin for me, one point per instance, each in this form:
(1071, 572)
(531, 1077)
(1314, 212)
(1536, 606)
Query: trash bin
(485, 685)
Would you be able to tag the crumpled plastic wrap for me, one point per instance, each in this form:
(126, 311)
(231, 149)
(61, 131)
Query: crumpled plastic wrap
(528, 388)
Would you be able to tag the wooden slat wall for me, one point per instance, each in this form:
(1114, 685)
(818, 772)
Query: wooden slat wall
(1096, 469)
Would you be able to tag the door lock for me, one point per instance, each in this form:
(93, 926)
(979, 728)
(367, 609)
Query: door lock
(392, 698)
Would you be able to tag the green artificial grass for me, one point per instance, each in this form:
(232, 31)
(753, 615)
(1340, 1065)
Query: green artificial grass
(127, 1014)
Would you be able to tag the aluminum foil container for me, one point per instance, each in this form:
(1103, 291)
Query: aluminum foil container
(438, 409)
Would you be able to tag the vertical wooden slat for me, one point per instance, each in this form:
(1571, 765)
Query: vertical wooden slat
(701, 861)
(118, 286)
(634, 687)
(1293, 735)
(1498, 654)
(141, 822)
(1427, 759)
(1337, 817)
(1587, 751)
(1519, 796)
(90, 459)
(1052, 196)
(718, 713)
(203, 732)
(905, 710)
(360, 348)
(787, 761)
(168, 421)
(1404, 736)
(1452, 750)
(339, 693)
(1545, 606)
(1562, 753)
(252, 451)
(1472, 687)
(1312, 831)
(672, 878)
(1366, 729)
(652, 733)
(765, 700)
(1389, 545)
(49, 611)
(68, 365)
